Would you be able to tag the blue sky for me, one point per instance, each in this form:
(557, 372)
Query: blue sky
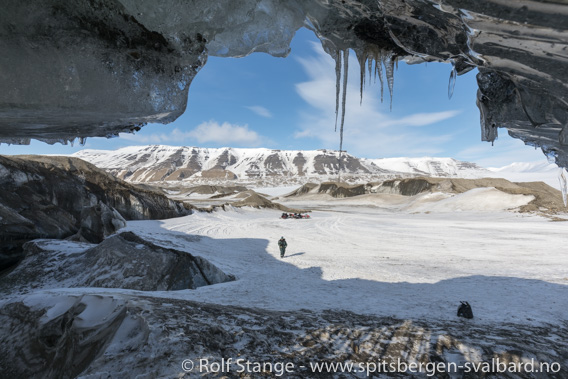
(289, 103)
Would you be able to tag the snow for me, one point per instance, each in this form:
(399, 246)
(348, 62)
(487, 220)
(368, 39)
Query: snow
(432, 166)
(528, 172)
(407, 260)
(379, 254)
(478, 199)
(148, 159)
(275, 191)
(383, 260)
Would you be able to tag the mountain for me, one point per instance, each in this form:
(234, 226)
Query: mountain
(170, 163)
(434, 167)
(528, 172)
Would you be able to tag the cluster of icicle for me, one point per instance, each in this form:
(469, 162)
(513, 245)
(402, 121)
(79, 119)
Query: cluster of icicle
(64, 141)
(371, 60)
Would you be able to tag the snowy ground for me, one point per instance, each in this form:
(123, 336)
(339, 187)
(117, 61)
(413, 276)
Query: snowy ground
(377, 278)
(370, 257)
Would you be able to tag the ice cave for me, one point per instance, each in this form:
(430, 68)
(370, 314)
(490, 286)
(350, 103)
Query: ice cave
(96, 68)
(105, 277)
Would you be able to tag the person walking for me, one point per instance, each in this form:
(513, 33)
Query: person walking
(282, 245)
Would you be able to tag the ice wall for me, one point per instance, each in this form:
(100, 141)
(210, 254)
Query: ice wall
(98, 67)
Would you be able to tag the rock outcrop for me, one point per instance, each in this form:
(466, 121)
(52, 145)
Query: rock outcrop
(137, 61)
(124, 261)
(334, 189)
(58, 197)
(253, 199)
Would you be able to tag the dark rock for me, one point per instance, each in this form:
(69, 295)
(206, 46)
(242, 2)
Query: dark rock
(60, 344)
(47, 197)
(120, 261)
(98, 222)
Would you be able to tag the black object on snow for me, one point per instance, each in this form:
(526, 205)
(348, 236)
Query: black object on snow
(464, 310)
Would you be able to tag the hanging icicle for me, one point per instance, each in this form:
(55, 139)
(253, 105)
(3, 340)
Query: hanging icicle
(338, 70)
(365, 59)
(343, 99)
(379, 72)
(563, 178)
(389, 70)
(337, 83)
(452, 83)
(370, 68)
(361, 57)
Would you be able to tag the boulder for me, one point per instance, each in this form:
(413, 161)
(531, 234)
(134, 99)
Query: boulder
(124, 260)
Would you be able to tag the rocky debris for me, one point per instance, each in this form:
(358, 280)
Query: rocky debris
(57, 197)
(92, 335)
(342, 190)
(306, 188)
(218, 173)
(206, 189)
(253, 199)
(120, 261)
(547, 200)
(334, 189)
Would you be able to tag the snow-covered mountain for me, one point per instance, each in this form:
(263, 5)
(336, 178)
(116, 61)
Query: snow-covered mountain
(428, 166)
(172, 163)
(541, 171)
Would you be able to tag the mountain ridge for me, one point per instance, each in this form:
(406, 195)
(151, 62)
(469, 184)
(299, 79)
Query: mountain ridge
(155, 163)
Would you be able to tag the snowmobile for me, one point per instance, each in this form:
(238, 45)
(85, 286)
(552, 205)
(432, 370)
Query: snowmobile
(296, 216)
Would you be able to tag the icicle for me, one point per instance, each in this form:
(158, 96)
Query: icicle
(345, 71)
(563, 135)
(452, 83)
(370, 68)
(343, 99)
(82, 141)
(564, 185)
(379, 72)
(389, 70)
(361, 57)
(337, 84)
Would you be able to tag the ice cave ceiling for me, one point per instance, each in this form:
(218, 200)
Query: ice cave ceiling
(86, 68)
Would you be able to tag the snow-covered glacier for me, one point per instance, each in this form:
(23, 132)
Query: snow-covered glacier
(97, 68)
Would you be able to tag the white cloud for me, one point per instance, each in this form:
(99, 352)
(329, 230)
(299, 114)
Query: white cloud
(368, 132)
(261, 111)
(206, 132)
(146, 139)
(225, 133)
(422, 119)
